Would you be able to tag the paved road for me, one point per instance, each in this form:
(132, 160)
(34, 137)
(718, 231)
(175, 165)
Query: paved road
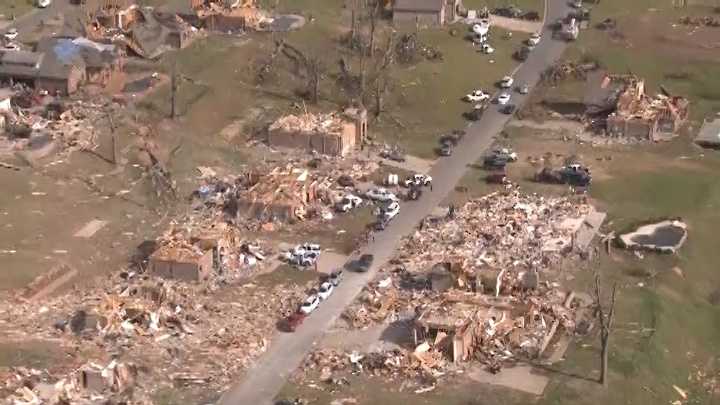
(261, 383)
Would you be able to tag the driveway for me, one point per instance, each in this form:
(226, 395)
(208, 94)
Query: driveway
(262, 382)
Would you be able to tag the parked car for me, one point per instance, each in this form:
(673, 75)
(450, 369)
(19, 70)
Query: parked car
(44, 3)
(306, 259)
(348, 202)
(523, 88)
(576, 4)
(506, 82)
(11, 46)
(365, 262)
(414, 193)
(505, 153)
(534, 39)
(326, 289)
(391, 211)
(503, 98)
(380, 194)
(336, 277)
(11, 34)
(418, 179)
(444, 150)
(508, 109)
(304, 248)
(310, 304)
(476, 96)
(522, 53)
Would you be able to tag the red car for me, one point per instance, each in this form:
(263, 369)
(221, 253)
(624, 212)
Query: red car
(294, 320)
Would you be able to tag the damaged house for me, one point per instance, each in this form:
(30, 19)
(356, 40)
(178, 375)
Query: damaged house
(283, 195)
(425, 12)
(329, 134)
(101, 61)
(59, 71)
(630, 111)
(181, 262)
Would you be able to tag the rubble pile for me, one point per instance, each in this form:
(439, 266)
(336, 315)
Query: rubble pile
(706, 21)
(409, 50)
(169, 333)
(328, 123)
(568, 69)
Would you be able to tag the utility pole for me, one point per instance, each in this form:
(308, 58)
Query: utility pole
(606, 323)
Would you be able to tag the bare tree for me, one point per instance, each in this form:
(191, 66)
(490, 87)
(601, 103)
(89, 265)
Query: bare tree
(310, 67)
(605, 317)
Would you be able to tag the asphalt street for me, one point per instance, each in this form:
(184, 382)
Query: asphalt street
(262, 382)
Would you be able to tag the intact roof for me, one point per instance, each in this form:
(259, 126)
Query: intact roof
(418, 5)
(709, 134)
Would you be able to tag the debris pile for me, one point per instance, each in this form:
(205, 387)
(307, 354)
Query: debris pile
(704, 21)
(329, 123)
(568, 69)
(409, 50)
(188, 335)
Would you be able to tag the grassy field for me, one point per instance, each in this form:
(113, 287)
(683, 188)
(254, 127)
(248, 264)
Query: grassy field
(9, 8)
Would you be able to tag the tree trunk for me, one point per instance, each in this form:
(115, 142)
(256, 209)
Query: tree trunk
(605, 340)
(378, 98)
(173, 90)
(373, 24)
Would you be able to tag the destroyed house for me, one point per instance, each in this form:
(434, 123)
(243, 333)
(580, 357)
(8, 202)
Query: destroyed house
(425, 12)
(101, 60)
(449, 327)
(186, 262)
(329, 134)
(631, 112)
(283, 195)
(58, 70)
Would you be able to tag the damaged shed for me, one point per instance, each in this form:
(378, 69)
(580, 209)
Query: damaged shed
(425, 12)
(187, 263)
(449, 327)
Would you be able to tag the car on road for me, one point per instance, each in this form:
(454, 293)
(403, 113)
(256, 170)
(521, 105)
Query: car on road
(523, 88)
(11, 34)
(418, 179)
(310, 304)
(348, 202)
(445, 150)
(503, 98)
(380, 194)
(508, 109)
(44, 3)
(336, 277)
(326, 289)
(534, 39)
(391, 211)
(506, 82)
(476, 96)
(365, 262)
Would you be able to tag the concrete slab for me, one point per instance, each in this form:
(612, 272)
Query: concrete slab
(90, 228)
(519, 378)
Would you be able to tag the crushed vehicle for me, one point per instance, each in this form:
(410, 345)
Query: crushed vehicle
(573, 174)
(380, 194)
(348, 203)
(418, 179)
(499, 158)
(394, 155)
(326, 289)
(476, 96)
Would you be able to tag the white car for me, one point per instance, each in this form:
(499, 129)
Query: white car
(506, 82)
(477, 96)
(44, 3)
(10, 46)
(381, 194)
(306, 259)
(300, 250)
(391, 211)
(487, 49)
(310, 304)
(534, 39)
(418, 179)
(348, 203)
(326, 289)
(11, 34)
(481, 28)
(503, 98)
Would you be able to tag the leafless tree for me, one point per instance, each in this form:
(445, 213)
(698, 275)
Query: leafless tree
(605, 317)
(309, 66)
